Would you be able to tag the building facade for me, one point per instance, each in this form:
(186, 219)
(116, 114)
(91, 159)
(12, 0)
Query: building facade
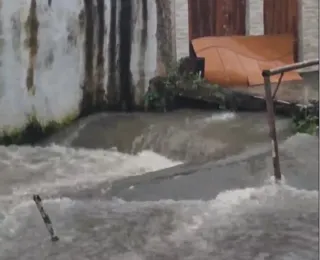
(250, 17)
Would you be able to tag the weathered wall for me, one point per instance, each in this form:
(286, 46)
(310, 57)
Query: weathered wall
(254, 19)
(182, 28)
(60, 56)
(309, 29)
(309, 26)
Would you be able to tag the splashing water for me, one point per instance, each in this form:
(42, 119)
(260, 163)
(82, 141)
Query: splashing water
(266, 222)
(27, 170)
(253, 223)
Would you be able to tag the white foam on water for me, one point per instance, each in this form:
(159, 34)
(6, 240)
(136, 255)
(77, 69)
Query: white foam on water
(274, 220)
(226, 116)
(232, 217)
(15, 217)
(47, 170)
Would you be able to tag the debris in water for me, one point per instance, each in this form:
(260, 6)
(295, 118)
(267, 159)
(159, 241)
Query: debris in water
(45, 217)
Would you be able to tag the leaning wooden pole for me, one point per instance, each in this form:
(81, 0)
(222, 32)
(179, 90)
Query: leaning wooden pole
(45, 218)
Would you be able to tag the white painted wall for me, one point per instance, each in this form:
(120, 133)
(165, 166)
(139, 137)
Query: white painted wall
(150, 61)
(57, 83)
(182, 28)
(254, 17)
(309, 29)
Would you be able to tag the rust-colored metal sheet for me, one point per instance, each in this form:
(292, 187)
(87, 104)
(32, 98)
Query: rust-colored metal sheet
(239, 60)
(282, 17)
(216, 18)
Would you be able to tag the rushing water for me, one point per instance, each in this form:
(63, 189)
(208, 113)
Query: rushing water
(230, 211)
(264, 221)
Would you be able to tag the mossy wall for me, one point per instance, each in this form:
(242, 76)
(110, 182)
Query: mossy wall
(61, 58)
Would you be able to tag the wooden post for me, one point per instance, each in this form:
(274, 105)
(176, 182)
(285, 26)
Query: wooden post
(45, 218)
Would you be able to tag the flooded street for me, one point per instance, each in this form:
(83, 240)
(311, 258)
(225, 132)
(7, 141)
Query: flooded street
(103, 207)
(186, 185)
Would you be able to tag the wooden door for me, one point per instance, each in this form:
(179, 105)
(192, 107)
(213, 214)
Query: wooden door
(282, 16)
(216, 18)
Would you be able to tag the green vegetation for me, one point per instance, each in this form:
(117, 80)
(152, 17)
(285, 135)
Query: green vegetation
(34, 130)
(179, 79)
(306, 120)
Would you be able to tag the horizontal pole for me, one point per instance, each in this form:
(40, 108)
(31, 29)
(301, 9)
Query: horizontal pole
(286, 68)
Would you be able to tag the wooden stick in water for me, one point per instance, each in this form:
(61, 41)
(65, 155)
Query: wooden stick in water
(45, 218)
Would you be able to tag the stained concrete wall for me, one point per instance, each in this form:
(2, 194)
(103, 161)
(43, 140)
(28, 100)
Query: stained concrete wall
(59, 57)
(254, 17)
(182, 28)
(309, 29)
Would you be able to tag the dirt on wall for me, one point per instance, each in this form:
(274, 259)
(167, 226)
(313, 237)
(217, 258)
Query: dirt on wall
(121, 93)
(108, 48)
(165, 25)
(31, 43)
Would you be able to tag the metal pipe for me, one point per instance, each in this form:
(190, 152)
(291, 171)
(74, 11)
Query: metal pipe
(278, 85)
(270, 106)
(272, 128)
(294, 66)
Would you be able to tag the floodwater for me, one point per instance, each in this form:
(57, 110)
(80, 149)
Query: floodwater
(90, 177)
(188, 185)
